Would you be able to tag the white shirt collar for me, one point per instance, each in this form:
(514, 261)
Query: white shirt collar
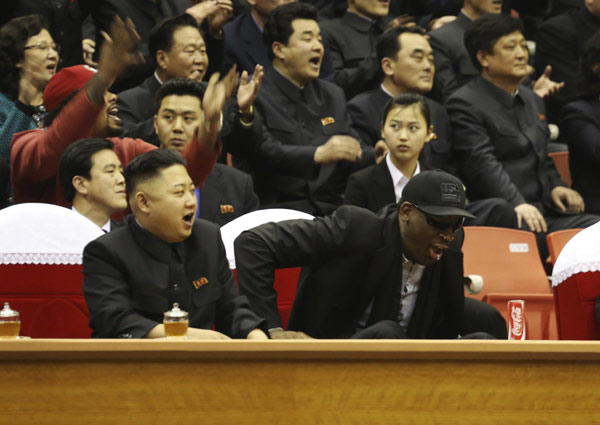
(398, 178)
(386, 91)
(105, 227)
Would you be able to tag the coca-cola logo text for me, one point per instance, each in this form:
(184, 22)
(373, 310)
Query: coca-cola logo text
(517, 318)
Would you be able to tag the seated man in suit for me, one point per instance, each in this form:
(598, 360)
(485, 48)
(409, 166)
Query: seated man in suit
(394, 274)
(501, 135)
(228, 193)
(91, 177)
(177, 49)
(452, 62)
(81, 106)
(161, 256)
(406, 130)
(309, 147)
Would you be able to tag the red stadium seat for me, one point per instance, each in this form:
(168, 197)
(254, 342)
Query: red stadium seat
(509, 263)
(41, 249)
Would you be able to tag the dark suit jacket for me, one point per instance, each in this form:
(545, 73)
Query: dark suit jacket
(351, 258)
(453, 66)
(371, 188)
(501, 144)
(137, 107)
(296, 122)
(353, 42)
(244, 46)
(227, 194)
(580, 128)
(367, 109)
(559, 42)
(128, 283)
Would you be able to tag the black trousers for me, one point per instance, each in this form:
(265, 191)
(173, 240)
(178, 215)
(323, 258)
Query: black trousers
(481, 321)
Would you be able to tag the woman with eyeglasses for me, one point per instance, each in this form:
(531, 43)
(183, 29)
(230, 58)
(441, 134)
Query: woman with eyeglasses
(28, 59)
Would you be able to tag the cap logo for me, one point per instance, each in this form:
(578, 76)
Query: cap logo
(450, 192)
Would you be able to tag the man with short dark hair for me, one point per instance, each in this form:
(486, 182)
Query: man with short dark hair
(228, 193)
(177, 49)
(91, 177)
(161, 256)
(308, 147)
(501, 135)
(244, 45)
(394, 274)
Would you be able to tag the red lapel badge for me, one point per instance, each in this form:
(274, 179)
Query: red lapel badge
(327, 121)
(542, 117)
(200, 282)
(226, 209)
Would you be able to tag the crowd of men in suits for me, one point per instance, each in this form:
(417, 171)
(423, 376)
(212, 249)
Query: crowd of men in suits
(301, 128)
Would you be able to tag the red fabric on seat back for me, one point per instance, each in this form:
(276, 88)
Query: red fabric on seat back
(48, 297)
(575, 299)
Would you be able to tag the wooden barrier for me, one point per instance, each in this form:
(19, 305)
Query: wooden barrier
(299, 382)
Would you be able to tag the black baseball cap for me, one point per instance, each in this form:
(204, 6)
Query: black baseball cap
(436, 193)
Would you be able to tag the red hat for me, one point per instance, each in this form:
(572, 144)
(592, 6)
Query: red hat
(65, 82)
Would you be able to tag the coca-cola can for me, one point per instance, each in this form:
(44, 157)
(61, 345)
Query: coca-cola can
(516, 320)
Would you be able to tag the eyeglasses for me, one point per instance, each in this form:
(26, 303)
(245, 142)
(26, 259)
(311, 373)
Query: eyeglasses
(441, 225)
(44, 47)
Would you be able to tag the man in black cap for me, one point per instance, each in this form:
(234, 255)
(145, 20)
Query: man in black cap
(394, 274)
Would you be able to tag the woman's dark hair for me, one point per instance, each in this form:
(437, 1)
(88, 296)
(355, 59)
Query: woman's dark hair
(589, 79)
(408, 99)
(13, 37)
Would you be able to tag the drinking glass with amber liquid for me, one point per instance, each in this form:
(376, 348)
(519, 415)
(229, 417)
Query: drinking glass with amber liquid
(176, 322)
(10, 323)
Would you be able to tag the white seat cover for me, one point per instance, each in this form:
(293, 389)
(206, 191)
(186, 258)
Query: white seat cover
(35, 233)
(231, 230)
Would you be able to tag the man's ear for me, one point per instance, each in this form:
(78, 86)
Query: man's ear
(278, 50)
(155, 123)
(387, 66)
(142, 202)
(80, 185)
(404, 211)
(482, 57)
(162, 59)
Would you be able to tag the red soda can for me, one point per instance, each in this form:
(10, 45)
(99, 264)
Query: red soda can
(516, 320)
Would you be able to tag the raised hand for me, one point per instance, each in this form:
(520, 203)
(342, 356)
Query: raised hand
(248, 90)
(119, 51)
(544, 86)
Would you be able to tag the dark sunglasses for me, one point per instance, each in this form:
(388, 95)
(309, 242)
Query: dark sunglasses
(440, 225)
